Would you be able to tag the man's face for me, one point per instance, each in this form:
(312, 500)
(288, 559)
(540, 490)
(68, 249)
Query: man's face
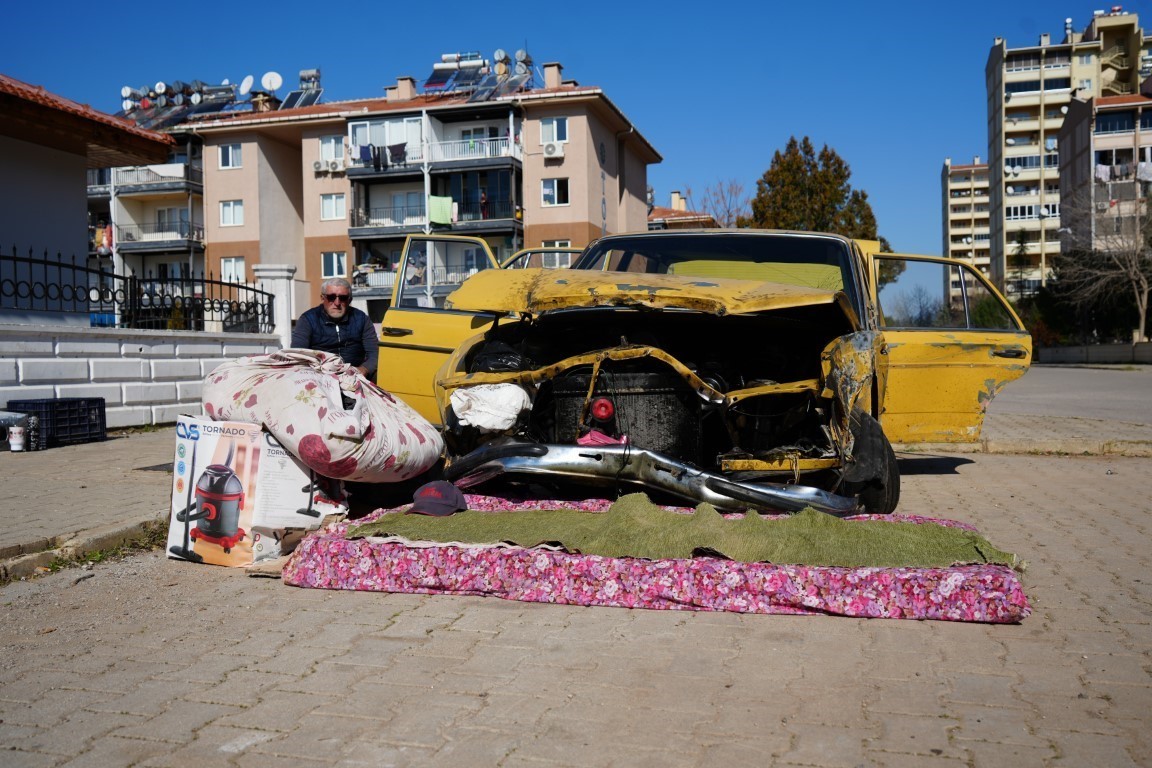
(335, 302)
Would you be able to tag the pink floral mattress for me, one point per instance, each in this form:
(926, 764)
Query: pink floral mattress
(326, 559)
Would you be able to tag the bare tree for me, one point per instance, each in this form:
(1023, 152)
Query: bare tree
(725, 201)
(1107, 251)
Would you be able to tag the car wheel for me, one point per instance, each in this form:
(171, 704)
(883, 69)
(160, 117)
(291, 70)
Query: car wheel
(880, 492)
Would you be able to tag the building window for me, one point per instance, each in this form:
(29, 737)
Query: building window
(332, 207)
(334, 264)
(553, 129)
(331, 148)
(230, 156)
(554, 192)
(231, 213)
(232, 269)
(556, 260)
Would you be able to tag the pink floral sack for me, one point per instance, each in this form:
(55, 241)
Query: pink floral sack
(330, 417)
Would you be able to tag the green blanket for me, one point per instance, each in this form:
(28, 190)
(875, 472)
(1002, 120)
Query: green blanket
(635, 527)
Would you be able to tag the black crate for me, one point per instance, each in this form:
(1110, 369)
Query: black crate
(64, 420)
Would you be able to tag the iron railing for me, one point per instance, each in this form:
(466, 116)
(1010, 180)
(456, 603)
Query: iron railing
(153, 233)
(178, 302)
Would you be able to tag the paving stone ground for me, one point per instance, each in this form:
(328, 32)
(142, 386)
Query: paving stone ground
(147, 661)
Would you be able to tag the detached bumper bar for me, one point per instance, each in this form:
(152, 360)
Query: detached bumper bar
(609, 465)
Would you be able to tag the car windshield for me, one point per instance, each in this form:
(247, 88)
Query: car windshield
(793, 259)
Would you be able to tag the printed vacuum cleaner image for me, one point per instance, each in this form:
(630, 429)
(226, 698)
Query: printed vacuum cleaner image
(219, 498)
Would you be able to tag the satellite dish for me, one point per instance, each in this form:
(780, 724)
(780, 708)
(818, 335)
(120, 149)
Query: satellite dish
(160, 87)
(128, 92)
(195, 98)
(246, 85)
(225, 82)
(178, 99)
(1015, 170)
(1043, 210)
(161, 101)
(1011, 189)
(500, 55)
(521, 55)
(127, 105)
(521, 68)
(271, 81)
(1064, 109)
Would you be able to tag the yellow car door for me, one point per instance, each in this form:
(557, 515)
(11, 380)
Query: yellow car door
(950, 343)
(417, 333)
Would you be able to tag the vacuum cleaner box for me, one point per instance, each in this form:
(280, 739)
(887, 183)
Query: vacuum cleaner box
(237, 494)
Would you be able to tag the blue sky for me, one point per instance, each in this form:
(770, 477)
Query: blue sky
(717, 88)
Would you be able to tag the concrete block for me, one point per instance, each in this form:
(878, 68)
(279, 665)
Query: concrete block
(189, 391)
(20, 346)
(118, 370)
(167, 370)
(207, 366)
(127, 416)
(26, 393)
(111, 392)
(56, 370)
(196, 349)
(166, 414)
(72, 346)
(8, 372)
(149, 394)
(149, 349)
(255, 348)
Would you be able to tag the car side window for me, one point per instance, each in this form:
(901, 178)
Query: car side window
(434, 268)
(914, 293)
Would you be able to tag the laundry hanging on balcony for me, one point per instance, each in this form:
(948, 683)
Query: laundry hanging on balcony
(439, 210)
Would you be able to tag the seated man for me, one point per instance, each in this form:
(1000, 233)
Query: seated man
(335, 326)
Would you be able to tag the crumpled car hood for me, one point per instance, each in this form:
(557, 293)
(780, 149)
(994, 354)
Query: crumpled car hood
(532, 291)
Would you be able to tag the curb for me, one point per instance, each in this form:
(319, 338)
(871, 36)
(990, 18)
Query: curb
(1068, 446)
(75, 546)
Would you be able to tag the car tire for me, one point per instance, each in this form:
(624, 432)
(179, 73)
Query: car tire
(880, 494)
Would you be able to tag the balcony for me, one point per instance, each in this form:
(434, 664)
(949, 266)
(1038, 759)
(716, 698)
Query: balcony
(399, 158)
(159, 237)
(476, 216)
(158, 178)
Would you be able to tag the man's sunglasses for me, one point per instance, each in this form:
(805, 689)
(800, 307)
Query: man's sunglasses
(335, 297)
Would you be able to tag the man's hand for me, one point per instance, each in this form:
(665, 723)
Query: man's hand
(363, 371)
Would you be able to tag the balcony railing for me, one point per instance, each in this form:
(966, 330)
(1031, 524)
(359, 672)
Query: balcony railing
(158, 174)
(158, 233)
(437, 152)
(392, 216)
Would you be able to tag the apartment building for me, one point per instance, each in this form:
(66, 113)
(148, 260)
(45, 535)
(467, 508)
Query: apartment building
(1106, 169)
(965, 214)
(1029, 91)
(333, 189)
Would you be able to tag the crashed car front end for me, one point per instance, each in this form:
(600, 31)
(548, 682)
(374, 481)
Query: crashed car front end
(735, 392)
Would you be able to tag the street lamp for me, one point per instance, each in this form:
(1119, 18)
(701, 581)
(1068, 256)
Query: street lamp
(1043, 214)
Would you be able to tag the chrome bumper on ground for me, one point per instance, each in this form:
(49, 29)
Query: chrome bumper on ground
(609, 465)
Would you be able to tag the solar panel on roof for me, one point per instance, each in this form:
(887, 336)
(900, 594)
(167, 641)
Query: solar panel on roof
(511, 85)
(485, 89)
(310, 97)
(291, 100)
(468, 77)
(439, 78)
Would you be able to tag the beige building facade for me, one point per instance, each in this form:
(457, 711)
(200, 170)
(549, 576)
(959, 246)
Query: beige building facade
(1029, 92)
(966, 212)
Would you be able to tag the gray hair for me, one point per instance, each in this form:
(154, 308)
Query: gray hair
(335, 282)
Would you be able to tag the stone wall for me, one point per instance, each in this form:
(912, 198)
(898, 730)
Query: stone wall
(145, 377)
(1097, 353)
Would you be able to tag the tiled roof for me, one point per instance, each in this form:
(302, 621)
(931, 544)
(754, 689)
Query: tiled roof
(1136, 98)
(659, 213)
(32, 113)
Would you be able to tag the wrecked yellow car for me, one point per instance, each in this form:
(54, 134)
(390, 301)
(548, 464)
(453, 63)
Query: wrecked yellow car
(745, 368)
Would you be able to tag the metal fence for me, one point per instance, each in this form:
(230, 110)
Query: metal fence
(34, 283)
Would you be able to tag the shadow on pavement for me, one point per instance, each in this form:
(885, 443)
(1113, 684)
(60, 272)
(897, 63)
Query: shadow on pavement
(931, 465)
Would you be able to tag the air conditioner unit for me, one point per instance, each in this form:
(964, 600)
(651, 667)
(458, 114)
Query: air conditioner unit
(1102, 205)
(553, 149)
(335, 165)
(318, 166)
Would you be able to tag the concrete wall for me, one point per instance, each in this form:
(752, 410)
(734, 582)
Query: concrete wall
(145, 377)
(1097, 353)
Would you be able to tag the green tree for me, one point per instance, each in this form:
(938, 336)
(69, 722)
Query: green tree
(806, 191)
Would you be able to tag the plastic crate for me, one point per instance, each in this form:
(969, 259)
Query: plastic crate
(65, 420)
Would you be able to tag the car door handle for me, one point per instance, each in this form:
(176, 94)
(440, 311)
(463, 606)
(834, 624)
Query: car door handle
(1013, 353)
(387, 331)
